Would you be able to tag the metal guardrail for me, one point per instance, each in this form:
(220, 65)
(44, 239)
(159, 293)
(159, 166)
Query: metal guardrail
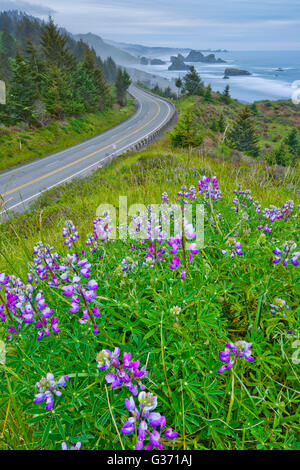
(153, 136)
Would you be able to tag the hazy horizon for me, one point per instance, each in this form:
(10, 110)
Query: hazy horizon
(267, 25)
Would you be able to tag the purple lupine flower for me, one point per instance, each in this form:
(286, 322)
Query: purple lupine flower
(149, 424)
(232, 352)
(68, 291)
(175, 262)
(243, 199)
(70, 234)
(123, 372)
(234, 248)
(287, 254)
(279, 306)
(48, 387)
(183, 274)
(74, 271)
(209, 188)
(104, 358)
(77, 446)
(26, 306)
(165, 198)
(4, 279)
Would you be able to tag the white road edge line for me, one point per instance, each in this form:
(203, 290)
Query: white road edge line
(77, 146)
(90, 166)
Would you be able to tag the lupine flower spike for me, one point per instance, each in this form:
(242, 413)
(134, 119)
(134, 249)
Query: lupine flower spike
(48, 388)
(233, 352)
(149, 424)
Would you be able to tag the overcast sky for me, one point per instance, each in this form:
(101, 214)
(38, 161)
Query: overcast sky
(231, 24)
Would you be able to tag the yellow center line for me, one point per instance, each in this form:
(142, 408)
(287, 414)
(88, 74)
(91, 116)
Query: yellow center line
(40, 178)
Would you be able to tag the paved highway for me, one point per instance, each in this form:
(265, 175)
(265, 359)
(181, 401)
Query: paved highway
(20, 186)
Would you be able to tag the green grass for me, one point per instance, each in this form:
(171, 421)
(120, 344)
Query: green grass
(143, 177)
(274, 119)
(20, 145)
(222, 299)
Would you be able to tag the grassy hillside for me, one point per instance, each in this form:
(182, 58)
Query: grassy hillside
(175, 325)
(20, 145)
(274, 120)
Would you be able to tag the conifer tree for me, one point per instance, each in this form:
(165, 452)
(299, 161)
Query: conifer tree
(281, 155)
(110, 70)
(59, 63)
(36, 64)
(186, 134)
(293, 142)
(8, 44)
(122, 84)
(57, 93)
(192, 83)
(243, 135)
(208, 94)
(5, 67)
(179, 85)
(22, 93)
(54, 47)
(222, 123)
(226, 95)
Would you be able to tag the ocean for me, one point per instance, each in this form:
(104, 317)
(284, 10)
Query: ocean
(266, 82)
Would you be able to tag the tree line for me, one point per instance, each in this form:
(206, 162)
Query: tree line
(49, 75)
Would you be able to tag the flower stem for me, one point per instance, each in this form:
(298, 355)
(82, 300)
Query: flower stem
(214, 215)
(183, 243)
(113, 418)
(231, 397)
(163, 358)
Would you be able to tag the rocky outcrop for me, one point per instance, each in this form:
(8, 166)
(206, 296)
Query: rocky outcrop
(144, 61)
(229, 72)
(157, 62)
(211, 59)
(178, 64)
(197, 56)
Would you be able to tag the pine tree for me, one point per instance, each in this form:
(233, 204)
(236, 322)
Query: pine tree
(281, 156)
(22, 93)
(6, 72)
(179, 85)
(293, 142)
(8, 44)
(254, 109)
(59, 65)
(222, 123)
(110, 70)
(122, 84)
(37, 66)
(226, 95)
(57, 93)
(243, 134)
(54, 47)
(85, 96)
(208, 94)
(186, 133)
(192, 83)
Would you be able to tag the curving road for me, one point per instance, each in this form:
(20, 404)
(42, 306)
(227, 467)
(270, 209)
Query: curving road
(20, 186)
